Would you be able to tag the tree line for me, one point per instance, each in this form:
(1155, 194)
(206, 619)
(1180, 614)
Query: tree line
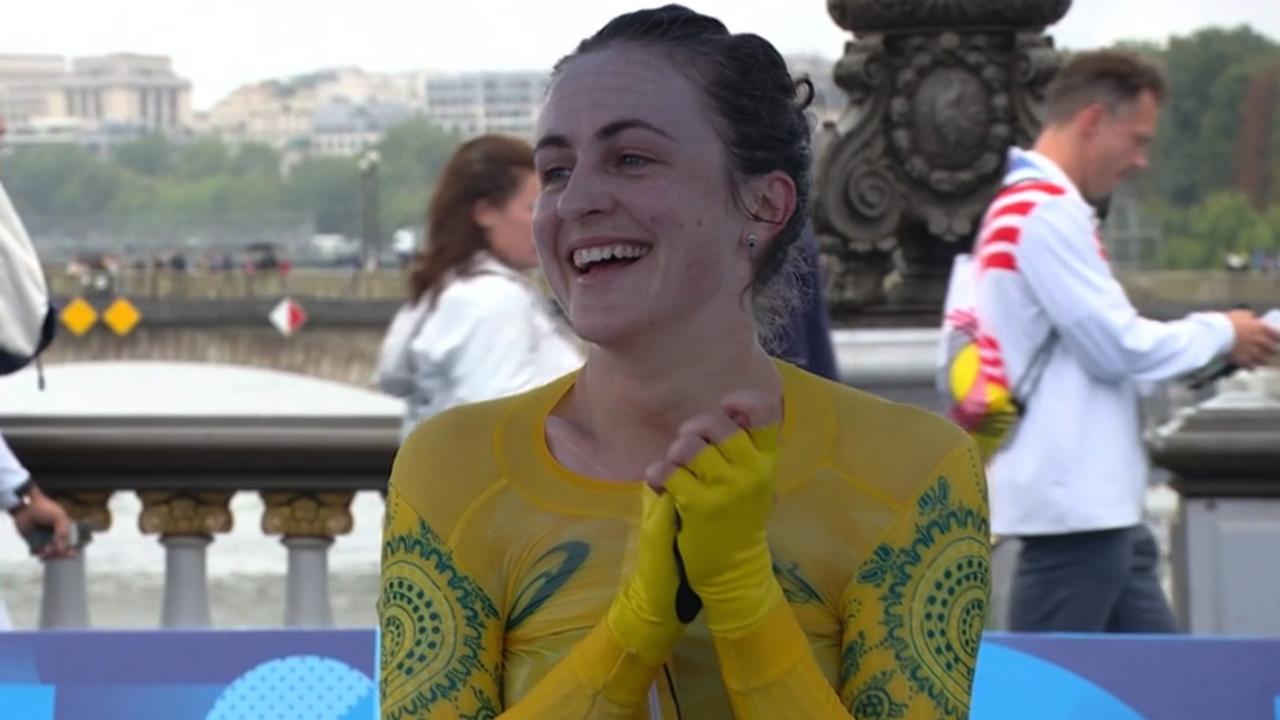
(156, 190)
(1214, 182)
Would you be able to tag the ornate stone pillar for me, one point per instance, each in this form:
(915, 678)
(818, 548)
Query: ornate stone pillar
(186, 523)
(308, 521)
(64, 597)
(938, 91)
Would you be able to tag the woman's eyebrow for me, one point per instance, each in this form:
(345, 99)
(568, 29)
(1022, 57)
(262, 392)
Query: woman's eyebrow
(605, 133)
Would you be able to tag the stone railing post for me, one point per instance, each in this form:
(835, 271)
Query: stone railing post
(938, 91)
(64, 600)
(308, 522)
(1224, 455)
(186, 523)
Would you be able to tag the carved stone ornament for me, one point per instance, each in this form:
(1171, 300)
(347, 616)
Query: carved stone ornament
(884, 15)
(903, 177)
(321, 514)
(185, 513)
(87, 507)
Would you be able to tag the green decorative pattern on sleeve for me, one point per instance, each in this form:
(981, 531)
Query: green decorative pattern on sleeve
(795, 588)
(873, 700)
(549, 573)
(486, 707)
(434, 623)
(934, 589)
(855, 651)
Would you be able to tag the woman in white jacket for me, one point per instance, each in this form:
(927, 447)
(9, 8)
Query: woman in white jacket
(475, 328)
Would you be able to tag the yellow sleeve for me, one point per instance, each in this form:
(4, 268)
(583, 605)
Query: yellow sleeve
(914, 616)
(442, 643)
(915, 610)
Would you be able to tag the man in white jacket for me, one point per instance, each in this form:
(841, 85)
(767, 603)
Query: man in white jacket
(1071, 481)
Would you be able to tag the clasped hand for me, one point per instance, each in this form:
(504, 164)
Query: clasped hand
(719, 479)
(721, 475)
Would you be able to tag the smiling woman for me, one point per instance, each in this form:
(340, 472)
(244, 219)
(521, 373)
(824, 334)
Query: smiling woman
(685, 527)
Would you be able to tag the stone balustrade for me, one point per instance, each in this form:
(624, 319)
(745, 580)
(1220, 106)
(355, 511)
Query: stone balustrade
(185, 471)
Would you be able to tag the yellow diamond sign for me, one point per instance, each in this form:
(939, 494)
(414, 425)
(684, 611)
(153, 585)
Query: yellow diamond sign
(122, 317)
(79, 316)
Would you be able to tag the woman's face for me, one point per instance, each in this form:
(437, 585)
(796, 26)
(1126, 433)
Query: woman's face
(635, 225)
(510, 227)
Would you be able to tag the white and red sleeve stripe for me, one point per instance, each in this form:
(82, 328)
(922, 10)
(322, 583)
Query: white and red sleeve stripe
(1002, 225)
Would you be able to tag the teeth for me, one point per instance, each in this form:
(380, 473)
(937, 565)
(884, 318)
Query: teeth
(586, 256)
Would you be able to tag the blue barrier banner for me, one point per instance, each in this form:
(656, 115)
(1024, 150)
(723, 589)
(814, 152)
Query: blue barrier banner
(179, 675)
(1126, 677)
(330, 675)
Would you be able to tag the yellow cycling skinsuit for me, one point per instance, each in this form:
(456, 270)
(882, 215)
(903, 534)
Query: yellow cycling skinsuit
(500, 565)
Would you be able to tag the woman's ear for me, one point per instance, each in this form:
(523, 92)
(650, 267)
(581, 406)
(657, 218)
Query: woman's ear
(773, 202)
(484, 214)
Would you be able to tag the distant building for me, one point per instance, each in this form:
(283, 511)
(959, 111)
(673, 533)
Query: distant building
(339, 111)
(97, 101)
(140, 90)
(329, 111)
(263, 113)
(341, 128)
(471, 104)
(26, 82)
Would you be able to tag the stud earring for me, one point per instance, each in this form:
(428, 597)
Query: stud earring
(751, 244)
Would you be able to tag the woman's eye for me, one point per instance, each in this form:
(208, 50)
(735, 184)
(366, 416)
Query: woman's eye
(554, 174)
(632, 160)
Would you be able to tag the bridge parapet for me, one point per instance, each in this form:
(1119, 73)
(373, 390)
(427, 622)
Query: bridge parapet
(305, 446)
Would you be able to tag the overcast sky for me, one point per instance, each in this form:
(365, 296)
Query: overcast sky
(221, 45)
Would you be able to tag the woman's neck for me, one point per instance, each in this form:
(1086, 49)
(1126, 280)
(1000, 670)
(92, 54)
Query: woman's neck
(628, 404)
